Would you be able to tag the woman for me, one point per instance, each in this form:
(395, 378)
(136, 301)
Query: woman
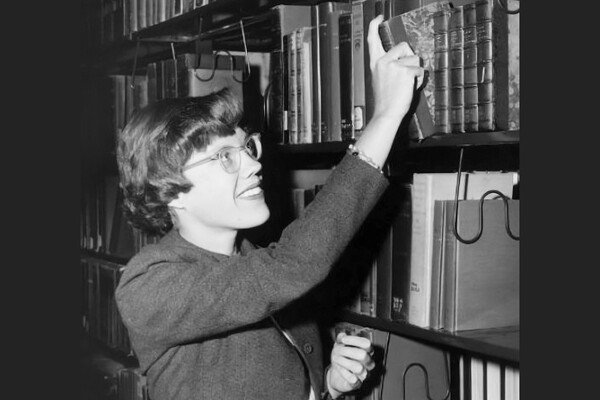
(209, 315)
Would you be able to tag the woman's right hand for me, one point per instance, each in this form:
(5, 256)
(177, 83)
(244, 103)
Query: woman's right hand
(396, 75)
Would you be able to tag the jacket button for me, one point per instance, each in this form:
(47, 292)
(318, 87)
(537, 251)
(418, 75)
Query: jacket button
(307, 348)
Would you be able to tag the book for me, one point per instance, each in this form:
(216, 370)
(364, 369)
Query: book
(401, 247)
(329, 13)
(441, 73)
(346, 74)
(284, 19)
(383, 301)
(493, 380)
(428, 187)
(476, 371)
(152, 82)
(456, 65)
(292, 86)
(358, 68)
(470, 82)
(416, 28)
(480, 280)
(305, 85)
(511, 383)
(316, 120)
(498, 66)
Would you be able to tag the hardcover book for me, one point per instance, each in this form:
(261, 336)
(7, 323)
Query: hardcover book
(428, 187)
(480, 280)
(285, 19)
(416, 28)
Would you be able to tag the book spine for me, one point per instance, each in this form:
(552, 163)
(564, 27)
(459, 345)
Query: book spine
(305, 84)
(401, 247)
(292, 88)
(276, 118)
(325, 9)
(441, 73)
(418, 306)
(437, 258)
(141, 14)
(471, 97)
(383, 308)
(485, 68)
(346, 75)
(316, 76)
(456, 64)
(358, 70)
(450, 274)
(301, 129)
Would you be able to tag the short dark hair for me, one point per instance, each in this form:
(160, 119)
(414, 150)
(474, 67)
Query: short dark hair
(155, 144)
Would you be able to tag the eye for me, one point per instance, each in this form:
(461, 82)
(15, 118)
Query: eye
(251, 148)
(225, 156)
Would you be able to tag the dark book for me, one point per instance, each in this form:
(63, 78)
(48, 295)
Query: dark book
(316, 75)
(170, 78)
(284, 19)
(185, 62)
(480, 281)
(346, 74)
(160, 80)
(441, 72)
(329, 13)
(416, 28)
(383, 301)
(292, 87)
(456, 64)
(401, 247)
(152, 82)
(470, 82)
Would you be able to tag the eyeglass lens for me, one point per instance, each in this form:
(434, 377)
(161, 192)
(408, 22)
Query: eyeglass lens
(230, 158)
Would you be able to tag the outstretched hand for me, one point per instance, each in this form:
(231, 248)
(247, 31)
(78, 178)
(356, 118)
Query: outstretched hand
(396, 74)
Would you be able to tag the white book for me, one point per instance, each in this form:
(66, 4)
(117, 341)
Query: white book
(477, 379)
(493, 381)
(511, 383)
(428, 187)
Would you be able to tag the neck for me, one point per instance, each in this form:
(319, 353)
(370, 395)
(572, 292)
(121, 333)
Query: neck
(221, 241)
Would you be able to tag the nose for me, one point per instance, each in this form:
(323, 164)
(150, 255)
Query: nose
(248, 165)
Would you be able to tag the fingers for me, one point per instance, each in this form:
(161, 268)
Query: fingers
(376, 50)
(402, 49)
(356, 350)
(352, 380)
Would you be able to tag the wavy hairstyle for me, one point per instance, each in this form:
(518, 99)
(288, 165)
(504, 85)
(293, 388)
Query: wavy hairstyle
(155, 144)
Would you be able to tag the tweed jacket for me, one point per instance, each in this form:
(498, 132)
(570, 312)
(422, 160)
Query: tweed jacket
(205, 325)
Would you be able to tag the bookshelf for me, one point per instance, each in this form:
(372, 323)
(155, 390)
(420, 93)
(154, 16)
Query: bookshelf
(220, 26)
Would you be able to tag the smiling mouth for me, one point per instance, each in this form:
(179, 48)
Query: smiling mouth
(251, 193)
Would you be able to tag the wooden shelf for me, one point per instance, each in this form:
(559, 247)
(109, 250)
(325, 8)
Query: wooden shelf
(469, 139)
(501, 343)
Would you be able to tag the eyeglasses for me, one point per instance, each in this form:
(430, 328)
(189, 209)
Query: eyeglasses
(229, 156)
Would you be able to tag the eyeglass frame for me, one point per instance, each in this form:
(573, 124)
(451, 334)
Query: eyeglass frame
(217, 156)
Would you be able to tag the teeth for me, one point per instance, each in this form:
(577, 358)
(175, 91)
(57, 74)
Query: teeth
(251, 192)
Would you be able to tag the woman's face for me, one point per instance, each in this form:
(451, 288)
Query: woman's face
(220, 200)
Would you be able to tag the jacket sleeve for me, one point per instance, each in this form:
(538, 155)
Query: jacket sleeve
(173, 302)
